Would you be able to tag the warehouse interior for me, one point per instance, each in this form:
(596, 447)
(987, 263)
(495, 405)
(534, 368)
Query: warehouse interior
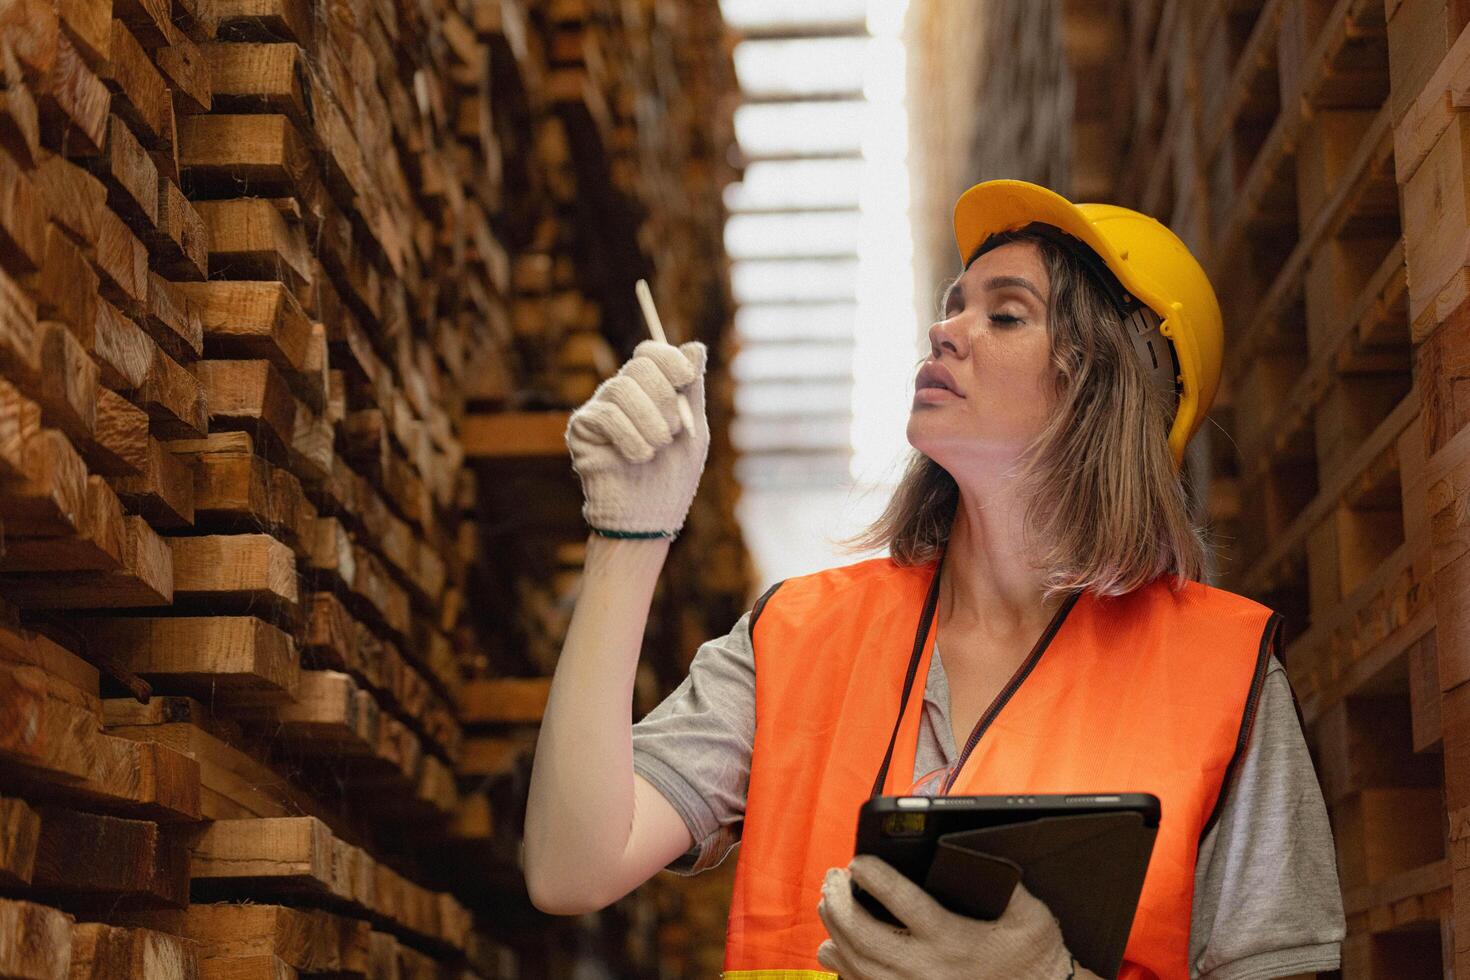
(296, 298)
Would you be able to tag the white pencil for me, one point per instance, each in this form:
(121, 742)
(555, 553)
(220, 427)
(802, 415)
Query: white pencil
(656, 329)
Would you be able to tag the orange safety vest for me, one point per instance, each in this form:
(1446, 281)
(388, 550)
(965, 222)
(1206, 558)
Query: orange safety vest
(1152, 692)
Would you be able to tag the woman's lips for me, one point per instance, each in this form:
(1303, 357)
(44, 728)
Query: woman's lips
(933, 396)
(934, 381)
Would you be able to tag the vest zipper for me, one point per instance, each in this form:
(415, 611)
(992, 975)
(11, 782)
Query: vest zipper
(1007, 692)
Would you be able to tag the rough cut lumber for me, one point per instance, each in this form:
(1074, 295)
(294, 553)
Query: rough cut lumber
(68, 386)
(74, 110)
(144, 579)
(89, 25)
(163, 490)
(35, 941)
(233, 784)
(60, 755)
(249, 238)
(130, 175)
(515, 435)
(263, 967)
(139, 93)
(505, 701)
(23, 210)
(180, 246)
(234, 568)
(251, 320)
(49, 499)
(306, 939)
(20, 829)
(86, 855)
(122, 264)
(66, 287)
(118, 445)
(247, 154)
(73, 198)
(236, 658)
(174, 320)
(104, 952)
(173, 398)
(251, 395)
(250, 77)
(121, 349)
(99, 545)
(273, 855)
(20, 352)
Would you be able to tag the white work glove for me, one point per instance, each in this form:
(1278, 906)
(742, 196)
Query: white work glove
(639, 467)
(936, 944)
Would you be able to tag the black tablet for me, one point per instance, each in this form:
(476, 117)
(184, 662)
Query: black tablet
(1084, 855)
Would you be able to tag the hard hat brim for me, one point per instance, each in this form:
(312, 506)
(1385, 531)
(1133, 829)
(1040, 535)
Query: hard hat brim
(1006, 205)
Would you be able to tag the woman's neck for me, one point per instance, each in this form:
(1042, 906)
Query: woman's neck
(991, 577)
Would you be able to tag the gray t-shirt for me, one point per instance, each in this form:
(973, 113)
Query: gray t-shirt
(1266, 896)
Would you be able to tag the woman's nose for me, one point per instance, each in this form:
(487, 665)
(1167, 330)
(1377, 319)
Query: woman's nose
(947, 335)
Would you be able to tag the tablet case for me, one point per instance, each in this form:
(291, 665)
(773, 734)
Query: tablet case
(1087, 868)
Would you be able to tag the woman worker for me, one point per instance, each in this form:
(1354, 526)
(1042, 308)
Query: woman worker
(1038, 627)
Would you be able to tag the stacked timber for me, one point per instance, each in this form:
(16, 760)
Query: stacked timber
(628, 107)
(1311, 152)
(246, 260)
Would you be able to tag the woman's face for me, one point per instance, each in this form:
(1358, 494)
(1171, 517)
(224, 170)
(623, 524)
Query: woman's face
(987, 388)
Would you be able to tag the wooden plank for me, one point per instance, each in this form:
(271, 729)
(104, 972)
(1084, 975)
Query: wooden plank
(254, 77)
(118, 445)
(82, 857)
(240, 659)
(74, 108)
(249, 154)
(23, 210)
(308, 940)
(121, 349)
(104, 952)
(271, 856)
(20, 829)
(251, 320)
(49, 499)
(228, 570)
(72, 197)
(174, 399)
(66, 288)
(35, 941)
(145, 578)
(67, 389)
(122, 264)
(139, 93)
(181, 245)
(163, 491)
(503, 701)
(251, 395)
(515, 435)
(88, 24)
(249, 238)
(130, 175)
(175, 321)
(100, 545)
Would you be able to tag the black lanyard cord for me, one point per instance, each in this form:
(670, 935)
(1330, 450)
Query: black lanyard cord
(926, 620)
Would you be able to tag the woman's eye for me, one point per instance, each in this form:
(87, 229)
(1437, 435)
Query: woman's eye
(1004, 318)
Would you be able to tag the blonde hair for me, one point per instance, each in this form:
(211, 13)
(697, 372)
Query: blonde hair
(1107, 508)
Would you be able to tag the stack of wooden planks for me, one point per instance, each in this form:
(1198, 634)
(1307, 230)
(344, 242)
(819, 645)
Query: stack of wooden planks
(1312, 153)
(258, 260)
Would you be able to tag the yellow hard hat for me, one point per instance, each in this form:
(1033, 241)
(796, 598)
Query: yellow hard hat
(1149, 261)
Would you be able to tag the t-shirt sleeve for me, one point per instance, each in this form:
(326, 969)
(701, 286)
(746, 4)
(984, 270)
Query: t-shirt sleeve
(695, 747)
(1266, 897)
